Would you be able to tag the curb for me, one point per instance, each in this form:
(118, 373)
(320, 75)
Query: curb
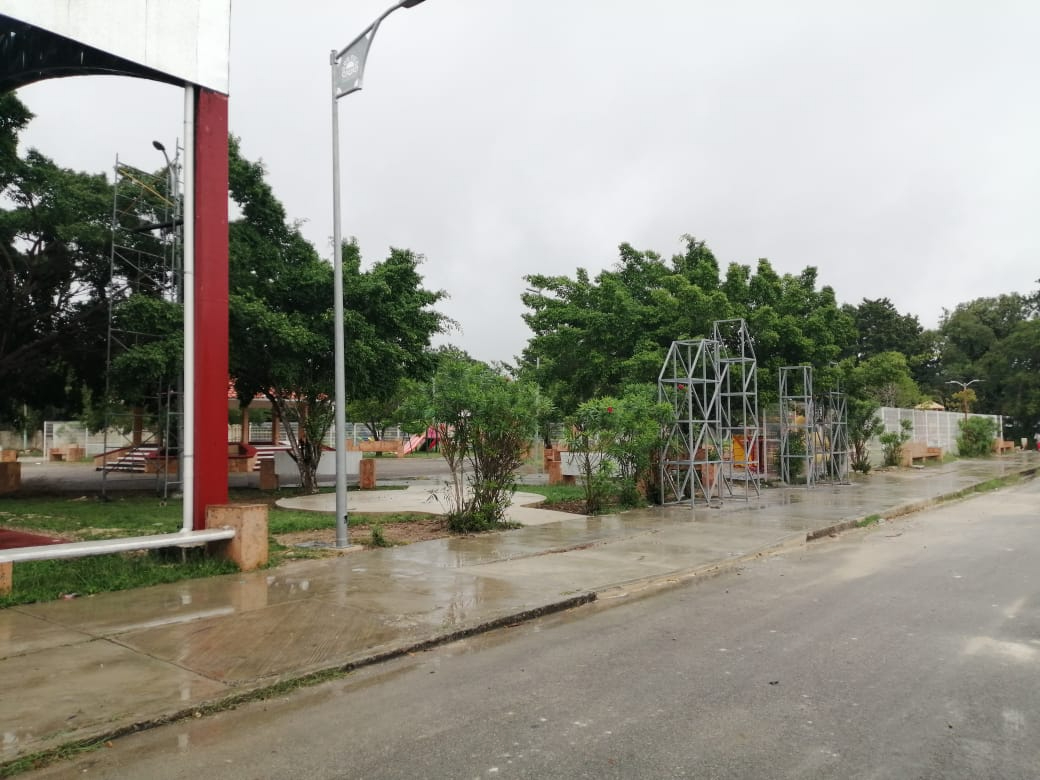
(41, 759)
(917, 506)
(703, 572)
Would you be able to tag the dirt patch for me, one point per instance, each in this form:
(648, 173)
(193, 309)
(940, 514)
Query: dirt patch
(575, 506)
(394, 533)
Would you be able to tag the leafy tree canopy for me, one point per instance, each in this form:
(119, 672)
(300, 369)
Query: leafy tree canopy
(996, 340)
(281, 316)
(54, 268)
(593, 336)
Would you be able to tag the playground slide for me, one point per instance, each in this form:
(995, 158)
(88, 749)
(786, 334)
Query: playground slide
(413, 443)
(741, 457)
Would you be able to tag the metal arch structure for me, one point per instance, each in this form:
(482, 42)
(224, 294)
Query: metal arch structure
(739, 427)
(691, 459)
(186, 43)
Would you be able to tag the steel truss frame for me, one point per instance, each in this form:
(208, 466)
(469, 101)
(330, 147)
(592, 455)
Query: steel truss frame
(146, 260)
(814, 430)
(797, 425)
(713, 441)
(691, 460)
(738, 428)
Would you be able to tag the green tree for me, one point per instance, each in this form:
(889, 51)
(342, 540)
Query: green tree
(281, 318)
(976, 437)
(617, 442)
(881, 328)
(864, 425)
(884, 378)
(998, 340)
(54, 274)
(485, 421)
(594, 336)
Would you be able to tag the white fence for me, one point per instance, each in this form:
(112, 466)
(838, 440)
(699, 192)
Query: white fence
(935, 429)
(61, 434)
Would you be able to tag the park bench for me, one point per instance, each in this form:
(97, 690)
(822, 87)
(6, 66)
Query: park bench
(71, 453)
(379, 446)
(1000, 446)
(65, 550)
(916, 451)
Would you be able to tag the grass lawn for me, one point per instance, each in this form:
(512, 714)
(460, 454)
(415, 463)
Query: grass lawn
(89, 518)
(555, 494)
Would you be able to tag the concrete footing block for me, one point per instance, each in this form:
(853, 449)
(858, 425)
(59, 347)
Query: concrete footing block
(10, 477)
(367, 474)
(249, 547)
(268, 475)
(6, 578)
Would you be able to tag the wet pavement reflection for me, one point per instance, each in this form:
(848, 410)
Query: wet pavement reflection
(71, 670)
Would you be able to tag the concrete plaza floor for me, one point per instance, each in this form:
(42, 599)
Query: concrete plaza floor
(92, 668)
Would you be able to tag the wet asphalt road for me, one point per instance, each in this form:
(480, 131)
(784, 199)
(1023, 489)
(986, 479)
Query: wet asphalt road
(908, 650)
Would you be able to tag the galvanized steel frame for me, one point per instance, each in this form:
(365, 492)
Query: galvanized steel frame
(738, 407)
(691, 459)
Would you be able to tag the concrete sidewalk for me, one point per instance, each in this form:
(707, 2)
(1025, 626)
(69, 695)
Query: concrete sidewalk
(92, 668)
(425, 495)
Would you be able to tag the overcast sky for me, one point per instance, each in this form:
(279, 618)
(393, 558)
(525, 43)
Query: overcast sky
(893, 145)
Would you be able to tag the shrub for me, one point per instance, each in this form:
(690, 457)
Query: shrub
(485, 422)
(616, 441)
(892, 443)
(976, 439)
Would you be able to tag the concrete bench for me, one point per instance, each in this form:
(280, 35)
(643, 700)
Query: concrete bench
(1000, 446)
(915, 451)
(380, 446)
(72, 453)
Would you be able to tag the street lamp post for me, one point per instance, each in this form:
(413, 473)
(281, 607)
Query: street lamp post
(348, 69)
(964, 392)
(175, 220)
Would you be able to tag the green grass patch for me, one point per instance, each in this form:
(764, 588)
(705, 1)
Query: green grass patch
(555, 493)
(287, 521)
(985, 487)
(91, 518)
(49, 580)
(868, 520)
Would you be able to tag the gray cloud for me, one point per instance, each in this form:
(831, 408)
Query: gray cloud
(890, 144)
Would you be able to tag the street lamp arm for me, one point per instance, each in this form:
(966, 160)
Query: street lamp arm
(372, 28)
(349, 84)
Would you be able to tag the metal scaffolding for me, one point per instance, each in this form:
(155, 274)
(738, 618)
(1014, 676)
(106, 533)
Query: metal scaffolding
(798, 430)
(145, 263)
(691, 460)
(814, 431)
(739, 429)
(713, 445)
(834, 441)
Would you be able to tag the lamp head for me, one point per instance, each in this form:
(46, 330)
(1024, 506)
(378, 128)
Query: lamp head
(409, 3)
(159, 146)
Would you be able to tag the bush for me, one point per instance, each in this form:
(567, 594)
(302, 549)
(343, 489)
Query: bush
(861, 464)
(893, 441)
(617, 441)
(976, 439)
(485, 422)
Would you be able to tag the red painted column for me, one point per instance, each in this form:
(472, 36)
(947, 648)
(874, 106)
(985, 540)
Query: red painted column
(211, 302)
